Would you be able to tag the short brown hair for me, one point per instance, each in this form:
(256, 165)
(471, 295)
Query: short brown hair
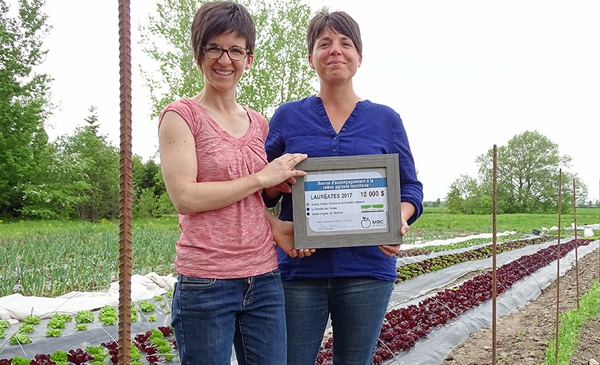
(338, 21)
(218, 17)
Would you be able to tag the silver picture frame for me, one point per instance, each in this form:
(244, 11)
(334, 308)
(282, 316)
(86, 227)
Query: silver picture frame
(347, 201)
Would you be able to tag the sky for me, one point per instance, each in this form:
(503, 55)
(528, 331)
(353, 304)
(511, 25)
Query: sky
(464, 75)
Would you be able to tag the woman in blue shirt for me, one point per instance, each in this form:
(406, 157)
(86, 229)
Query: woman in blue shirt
(352, 285)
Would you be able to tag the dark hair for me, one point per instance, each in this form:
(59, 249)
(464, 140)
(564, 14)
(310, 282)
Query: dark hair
(218, 17)
(338, 21)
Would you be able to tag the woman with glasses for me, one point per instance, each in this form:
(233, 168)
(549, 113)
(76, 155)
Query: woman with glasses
(351, 286)
(228, 292)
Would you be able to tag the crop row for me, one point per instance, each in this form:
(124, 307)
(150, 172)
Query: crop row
(86, 260)
(460, 244)
(409, 271)
(151, 347)
(403, 327)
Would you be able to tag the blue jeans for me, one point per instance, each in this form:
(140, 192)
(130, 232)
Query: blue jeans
(357, 307)
(210, 316)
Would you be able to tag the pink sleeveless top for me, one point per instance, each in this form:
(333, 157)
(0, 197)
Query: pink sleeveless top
(234, 241)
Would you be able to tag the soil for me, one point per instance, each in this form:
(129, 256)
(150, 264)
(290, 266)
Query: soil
(521, 338)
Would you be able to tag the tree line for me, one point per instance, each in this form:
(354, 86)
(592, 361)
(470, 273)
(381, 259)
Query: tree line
(528, 169)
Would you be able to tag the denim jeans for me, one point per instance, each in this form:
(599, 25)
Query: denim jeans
(357, 307)
(210, 316)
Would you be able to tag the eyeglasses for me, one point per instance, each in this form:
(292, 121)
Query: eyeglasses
(234, 53)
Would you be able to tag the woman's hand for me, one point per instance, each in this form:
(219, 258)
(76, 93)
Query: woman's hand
(283, 235)
(391, 250)
(281, 171)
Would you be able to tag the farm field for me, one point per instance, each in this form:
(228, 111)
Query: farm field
(521, 339)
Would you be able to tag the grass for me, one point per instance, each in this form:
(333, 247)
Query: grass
(439, 219)
(437, 223)
(28, 228)
(569, 324)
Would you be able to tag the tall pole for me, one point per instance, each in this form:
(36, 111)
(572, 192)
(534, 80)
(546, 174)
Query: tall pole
(125, 200)
(494, 272)
(558, 267)
(576, 244)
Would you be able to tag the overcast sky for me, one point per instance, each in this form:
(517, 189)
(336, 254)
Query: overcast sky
(463, 75)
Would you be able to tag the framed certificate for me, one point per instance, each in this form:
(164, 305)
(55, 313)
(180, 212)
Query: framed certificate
(347, 201)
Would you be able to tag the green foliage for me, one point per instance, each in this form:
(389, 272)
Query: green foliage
(32, 320)
(409, 271)
(26, 328)
(53, 332)
(146, 205)
(82, 178)
(98, 352)
(59, 356)
(19, 339)
(59, 320)
(439, 223)
(280, 72)
(79, 255)
(471, 242)
(108, 315)
(145, 306)
(164, 206)
(84, 316)
(17, 360)
(166, 39)
(466, 197)
(24, 103)
(570, 323)
(150, 194)
(96, 164)
(529, 169)
(135, 352)
(147, 176)
(134, 317)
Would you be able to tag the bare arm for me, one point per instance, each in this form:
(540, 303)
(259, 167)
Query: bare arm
(179, 167)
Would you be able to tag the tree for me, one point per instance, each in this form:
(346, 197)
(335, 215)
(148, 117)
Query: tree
(24, 103)
(466, 197)
(528, 170)
(88, 160)
(64, 187)
(149, 191)
(165, 38)
(280, 72)
(144, 176)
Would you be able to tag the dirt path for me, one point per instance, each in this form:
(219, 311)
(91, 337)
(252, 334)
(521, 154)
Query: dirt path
(521, 337)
